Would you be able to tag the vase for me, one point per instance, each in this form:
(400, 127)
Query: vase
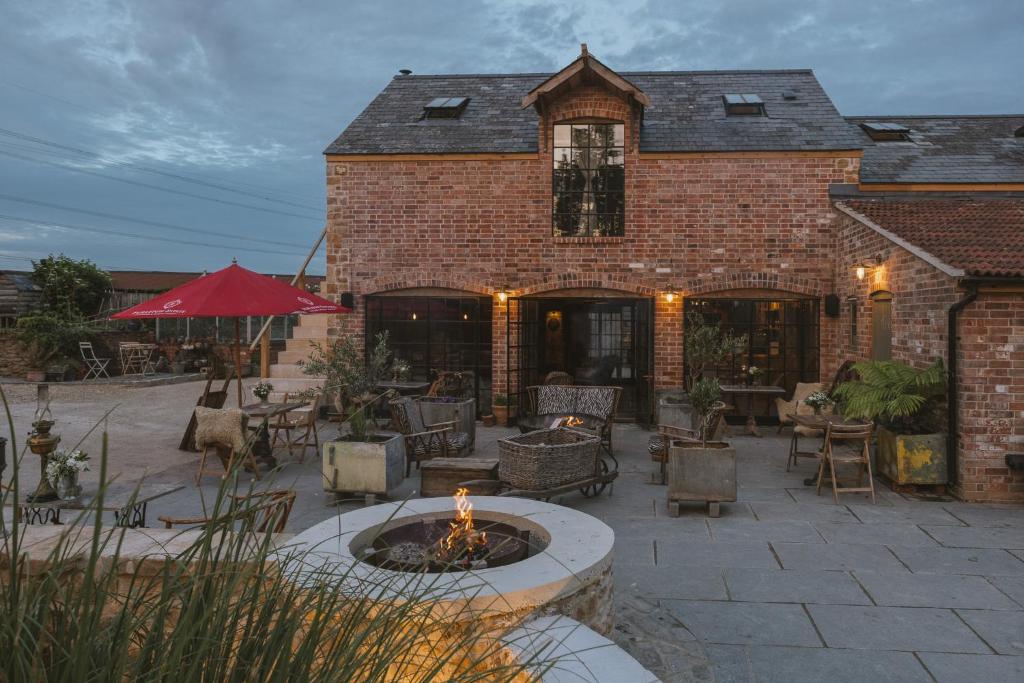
(264, 400)
(67, 487)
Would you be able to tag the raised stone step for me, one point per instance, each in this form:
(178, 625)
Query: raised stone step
(290, 356)
(286, 371)
(301, 332)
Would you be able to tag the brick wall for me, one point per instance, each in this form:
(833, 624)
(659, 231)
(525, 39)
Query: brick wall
(990, 359)
(717, 221)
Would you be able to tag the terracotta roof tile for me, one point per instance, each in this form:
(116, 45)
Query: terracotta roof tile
(983, 237)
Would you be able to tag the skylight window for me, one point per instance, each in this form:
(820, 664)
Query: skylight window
(743, 105)
(882, 131)
(445, 107)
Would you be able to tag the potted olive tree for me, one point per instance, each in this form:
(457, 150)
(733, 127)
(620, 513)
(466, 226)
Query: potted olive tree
(908, 404)
(706, 345)
(364, 460)
(701, 469)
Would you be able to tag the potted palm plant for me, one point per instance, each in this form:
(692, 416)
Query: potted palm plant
(700, 469)
(364, 460)
(908, 404)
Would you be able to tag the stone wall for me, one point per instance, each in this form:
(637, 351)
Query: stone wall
(13, 359)
(990, 350)
(696, 223)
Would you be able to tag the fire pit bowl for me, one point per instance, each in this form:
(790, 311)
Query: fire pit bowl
(565, 567)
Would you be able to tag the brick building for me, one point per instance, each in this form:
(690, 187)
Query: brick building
(514, 225)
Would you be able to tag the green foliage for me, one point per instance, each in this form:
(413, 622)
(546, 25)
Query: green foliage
(69, 287)
(232, 603)
(706, 345)
(904, 399)
(706, 399)
(350, 374)
(505, 400)
(50, 337)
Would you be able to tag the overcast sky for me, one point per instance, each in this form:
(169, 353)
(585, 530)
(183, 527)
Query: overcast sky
(116, 117)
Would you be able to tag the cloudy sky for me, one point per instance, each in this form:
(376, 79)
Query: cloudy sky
(175, 135)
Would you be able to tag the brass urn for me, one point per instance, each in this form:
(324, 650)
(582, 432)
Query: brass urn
(42, 443)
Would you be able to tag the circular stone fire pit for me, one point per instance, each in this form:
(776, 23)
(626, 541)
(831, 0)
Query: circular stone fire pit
(565, 567)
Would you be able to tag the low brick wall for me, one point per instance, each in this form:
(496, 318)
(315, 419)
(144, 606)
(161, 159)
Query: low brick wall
(13, 359)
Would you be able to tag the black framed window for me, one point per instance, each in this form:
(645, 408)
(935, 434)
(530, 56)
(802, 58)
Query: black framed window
(782, 337)
(589, 179)
(437, 333)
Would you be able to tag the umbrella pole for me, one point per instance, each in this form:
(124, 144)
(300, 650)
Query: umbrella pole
(238, 360)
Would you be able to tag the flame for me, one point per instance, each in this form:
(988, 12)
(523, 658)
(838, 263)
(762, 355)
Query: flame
(573, 421)
(462, 535)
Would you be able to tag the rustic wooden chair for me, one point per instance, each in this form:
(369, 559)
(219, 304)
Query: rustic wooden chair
(268, 510)
(224, 431)
(303, 422)
(857, 436)
(423, 441)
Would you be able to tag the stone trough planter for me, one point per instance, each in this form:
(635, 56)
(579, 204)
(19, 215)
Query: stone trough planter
(370, 468)
(463, 412)
(705, 474)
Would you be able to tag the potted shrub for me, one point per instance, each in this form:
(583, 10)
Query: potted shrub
(51, 341)
(706, 346)
(702, 470)
(504, 409)
(363, 460)
(909, 407)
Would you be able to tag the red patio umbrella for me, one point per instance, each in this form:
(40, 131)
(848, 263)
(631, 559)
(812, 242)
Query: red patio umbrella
(233, 292)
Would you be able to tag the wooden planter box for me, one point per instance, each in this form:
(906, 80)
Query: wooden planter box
(441, 476)
(371, 468)
(911, 458)
(463, 413)
(704, 474)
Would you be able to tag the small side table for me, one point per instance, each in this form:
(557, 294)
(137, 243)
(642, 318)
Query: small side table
(441, 476)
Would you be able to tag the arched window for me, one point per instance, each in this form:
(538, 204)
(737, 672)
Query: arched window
(589, 179)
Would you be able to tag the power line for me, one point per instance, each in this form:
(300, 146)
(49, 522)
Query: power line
(128, 219)
(130, 235)
(147, 169)
(84, 107)
(155, 187)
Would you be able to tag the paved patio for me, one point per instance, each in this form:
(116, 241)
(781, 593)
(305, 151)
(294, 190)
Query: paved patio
(784, 586)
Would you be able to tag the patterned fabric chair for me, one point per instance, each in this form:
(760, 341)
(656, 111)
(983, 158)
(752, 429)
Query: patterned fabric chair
(549, 401)
(423, 441)
(658, 445)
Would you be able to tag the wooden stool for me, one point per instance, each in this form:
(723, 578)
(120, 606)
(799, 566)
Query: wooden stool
(441, 476)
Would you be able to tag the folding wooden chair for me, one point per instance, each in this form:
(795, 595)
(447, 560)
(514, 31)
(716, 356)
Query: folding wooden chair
(96, 366)
(859, 456)
(269, 510)
(303, 422)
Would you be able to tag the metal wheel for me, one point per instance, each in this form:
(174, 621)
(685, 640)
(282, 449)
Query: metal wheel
(596, 488)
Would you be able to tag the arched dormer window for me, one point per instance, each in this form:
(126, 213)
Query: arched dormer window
(589, 179)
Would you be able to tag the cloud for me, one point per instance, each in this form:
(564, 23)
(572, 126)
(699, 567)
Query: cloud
(247, 93)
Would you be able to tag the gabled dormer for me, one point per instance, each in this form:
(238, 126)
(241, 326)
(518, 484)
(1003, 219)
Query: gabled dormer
(586, 70)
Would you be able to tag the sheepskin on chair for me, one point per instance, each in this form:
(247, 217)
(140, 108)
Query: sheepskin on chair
(222, 427)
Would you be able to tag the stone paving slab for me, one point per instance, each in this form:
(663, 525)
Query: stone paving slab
(772, 664)
(842, 556)
(750, 530)
(763, 494)
(1003, 631)
(1010, 585)
(989, 515)
(954, 668)
(822, 587)
(745, 623)
(875, 534)
(933, 590)
(905, 629)
(808, 512)
(664, 581)
(717, 554)
(807, 494)
(983, 561)
(921, 513)
(1011, 538)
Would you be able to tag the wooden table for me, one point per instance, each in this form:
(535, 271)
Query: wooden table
(128, 502)
(136, 358)
(750, 392)
(264, 411)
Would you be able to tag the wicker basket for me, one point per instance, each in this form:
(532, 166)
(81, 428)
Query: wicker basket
(547, 458)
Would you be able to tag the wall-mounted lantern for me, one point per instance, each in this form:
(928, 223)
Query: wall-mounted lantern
(671, 295)
(861, 269)
(503, 294)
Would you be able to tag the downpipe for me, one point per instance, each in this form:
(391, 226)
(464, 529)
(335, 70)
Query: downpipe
(952, 399)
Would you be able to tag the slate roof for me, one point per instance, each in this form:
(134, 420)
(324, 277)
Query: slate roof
(686, 114)
(983, 237)
(945, 149)
(161, 280)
